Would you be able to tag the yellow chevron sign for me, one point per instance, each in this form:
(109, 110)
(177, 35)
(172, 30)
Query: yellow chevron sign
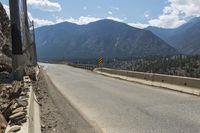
(100, 61)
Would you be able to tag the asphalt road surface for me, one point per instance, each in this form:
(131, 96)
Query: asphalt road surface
(117, 106)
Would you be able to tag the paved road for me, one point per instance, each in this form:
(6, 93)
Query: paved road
(118, 106)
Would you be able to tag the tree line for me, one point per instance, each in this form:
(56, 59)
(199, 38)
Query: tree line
(180, 65)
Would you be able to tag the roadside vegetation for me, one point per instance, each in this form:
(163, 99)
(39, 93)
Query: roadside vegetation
(188, 66)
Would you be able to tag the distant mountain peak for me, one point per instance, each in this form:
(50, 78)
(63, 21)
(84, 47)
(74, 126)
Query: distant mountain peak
(185, 38)
(105, 37)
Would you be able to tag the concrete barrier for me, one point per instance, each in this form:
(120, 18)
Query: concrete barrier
(182, 84)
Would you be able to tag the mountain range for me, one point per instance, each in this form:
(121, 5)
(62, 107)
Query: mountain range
(185, 38)
(105, 38)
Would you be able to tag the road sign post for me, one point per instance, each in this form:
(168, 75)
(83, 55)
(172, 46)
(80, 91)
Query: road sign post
(100, 61)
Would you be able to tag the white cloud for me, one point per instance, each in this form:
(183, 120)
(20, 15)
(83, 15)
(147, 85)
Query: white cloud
(80, 21)
(146, 14)
(45, 5)
(115, 19)
(176, 12)
(110, 13)
(167, 21)
(40, 22)
(85, 20)
(138, 25)
(186, 7)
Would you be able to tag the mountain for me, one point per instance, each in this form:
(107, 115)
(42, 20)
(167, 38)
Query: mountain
(184, 38)
(161, 32)
(106, 38)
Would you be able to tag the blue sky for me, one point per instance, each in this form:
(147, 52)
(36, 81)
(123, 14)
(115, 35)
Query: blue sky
(137, 13)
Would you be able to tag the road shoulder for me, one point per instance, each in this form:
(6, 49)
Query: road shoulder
(57, 114)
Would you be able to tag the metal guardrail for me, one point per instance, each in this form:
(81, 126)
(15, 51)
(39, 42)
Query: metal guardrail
(83, 66)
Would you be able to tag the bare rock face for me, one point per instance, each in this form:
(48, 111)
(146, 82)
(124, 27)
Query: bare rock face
(5, 41)
(4, 22)
(5, 34)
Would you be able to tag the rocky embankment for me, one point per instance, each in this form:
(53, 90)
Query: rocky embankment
(13, 105)
(10, 104)
(5, 46)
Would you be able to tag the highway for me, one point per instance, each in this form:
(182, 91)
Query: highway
(117, 106)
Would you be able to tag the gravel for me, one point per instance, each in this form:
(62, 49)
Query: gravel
(51, 119)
